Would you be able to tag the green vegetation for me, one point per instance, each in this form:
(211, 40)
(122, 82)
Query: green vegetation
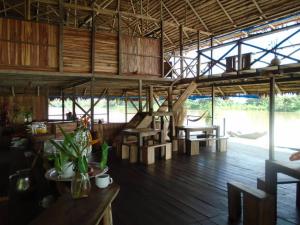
(286, 103)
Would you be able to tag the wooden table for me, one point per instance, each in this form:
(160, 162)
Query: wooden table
(140, 134)
(189, 129)
(272, 169)
(86, 211)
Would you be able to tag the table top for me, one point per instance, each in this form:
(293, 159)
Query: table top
(85, 211)
(194, 128)
(291, 168)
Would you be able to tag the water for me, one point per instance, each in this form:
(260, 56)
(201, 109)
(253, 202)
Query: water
(287, 125)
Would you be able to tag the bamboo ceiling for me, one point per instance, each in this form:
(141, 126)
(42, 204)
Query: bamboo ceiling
(142, 17)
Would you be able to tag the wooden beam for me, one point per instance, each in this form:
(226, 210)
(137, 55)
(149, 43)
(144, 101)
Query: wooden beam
(93, 38)
(113, 12)
(181, 49)
(63, 104)
(61, 38)
(197, 15)
(140, 95)
(27, 9)
(271, 118)
(242, 89)
(92, 104)
(162, 47)
(107, 108)
(119, 45)
(212, 104)
(198, 55)
(226, 13)
(151, 99)
(126, 108)
(259, 9)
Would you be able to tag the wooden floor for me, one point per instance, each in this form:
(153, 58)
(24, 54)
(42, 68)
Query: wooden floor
(192, 190)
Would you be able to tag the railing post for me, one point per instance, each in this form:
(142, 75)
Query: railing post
(271, 118)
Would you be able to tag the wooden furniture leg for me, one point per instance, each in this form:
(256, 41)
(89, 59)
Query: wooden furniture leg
(107, 217)
(234, 203)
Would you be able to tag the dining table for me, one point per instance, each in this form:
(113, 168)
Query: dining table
(205, 129)
(140, 134)
(272, 168)
(91, 210)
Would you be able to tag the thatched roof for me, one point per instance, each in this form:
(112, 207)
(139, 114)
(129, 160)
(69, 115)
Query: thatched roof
(142, 17)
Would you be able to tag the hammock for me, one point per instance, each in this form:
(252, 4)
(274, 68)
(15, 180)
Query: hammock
(253, 135)
(198, 118)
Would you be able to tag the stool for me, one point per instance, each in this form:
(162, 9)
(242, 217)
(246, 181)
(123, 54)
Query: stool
(257, 205)
(181, 146)
(192, 147)
(148, 155)
(222, 144)
(129, 151)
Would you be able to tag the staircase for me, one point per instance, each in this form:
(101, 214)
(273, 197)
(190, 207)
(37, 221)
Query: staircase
(178, 98)
(140, 120)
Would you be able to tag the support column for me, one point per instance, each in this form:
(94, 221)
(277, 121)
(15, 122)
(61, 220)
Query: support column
(126, 108)
(181, 49)
(140, 95)
(162, 48)
(170, 109)
(211, 54)
(239, 56)
(61, 38)
(92, 104)
(198, 55)
(107, 107)
(212, 104)
(119, 43)
(271, 118)
(63, 104)
(151, 99)
(73, 104)
(27, 8)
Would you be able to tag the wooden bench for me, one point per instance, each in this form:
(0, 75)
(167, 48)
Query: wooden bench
(148, 152)
(257, 205)
(193, 144)
(222, 142)
(282, 179)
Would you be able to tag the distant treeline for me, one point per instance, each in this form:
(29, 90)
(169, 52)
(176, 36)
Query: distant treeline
(282, 104)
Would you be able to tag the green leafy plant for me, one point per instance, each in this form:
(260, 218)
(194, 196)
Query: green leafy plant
(70, 151)
(104, 155)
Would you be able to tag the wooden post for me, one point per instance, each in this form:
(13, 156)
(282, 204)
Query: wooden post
(126, 108)
(61, 38)
(92, 103)
(162, 48)
(140, 95)
(271, 118)
(239, 56)
(212, 104)
(211, 54)
(198, 55)
(119, 40)
(93, 35)
(47, 103)
(63, 104)
(151, 99)
(73, 104)
(181, 49)
(107, 107)
(27, 8)
(170, 109)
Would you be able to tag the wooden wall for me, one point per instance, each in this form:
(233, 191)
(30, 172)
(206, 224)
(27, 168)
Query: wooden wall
(28, 45)
(17, 105)
(140, 56)
(34, 46)
(77, 50)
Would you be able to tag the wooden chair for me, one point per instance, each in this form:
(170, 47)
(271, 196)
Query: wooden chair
(257, 205)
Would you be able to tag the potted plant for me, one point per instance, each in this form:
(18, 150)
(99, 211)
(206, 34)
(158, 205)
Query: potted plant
(72, 154)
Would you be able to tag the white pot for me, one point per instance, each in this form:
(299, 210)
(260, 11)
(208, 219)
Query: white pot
(67, 170)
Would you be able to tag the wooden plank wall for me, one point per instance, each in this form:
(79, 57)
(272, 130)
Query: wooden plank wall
(28, 45)
(106, 60)
(77, 50)
(140, 56)
(34, 46)
(17, 105)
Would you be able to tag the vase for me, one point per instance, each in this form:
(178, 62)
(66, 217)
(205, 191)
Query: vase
(80, 185)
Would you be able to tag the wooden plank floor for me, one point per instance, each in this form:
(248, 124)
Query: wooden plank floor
(192, 190)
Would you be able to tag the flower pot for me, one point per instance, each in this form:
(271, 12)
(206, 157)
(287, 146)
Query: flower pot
(80, 185)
